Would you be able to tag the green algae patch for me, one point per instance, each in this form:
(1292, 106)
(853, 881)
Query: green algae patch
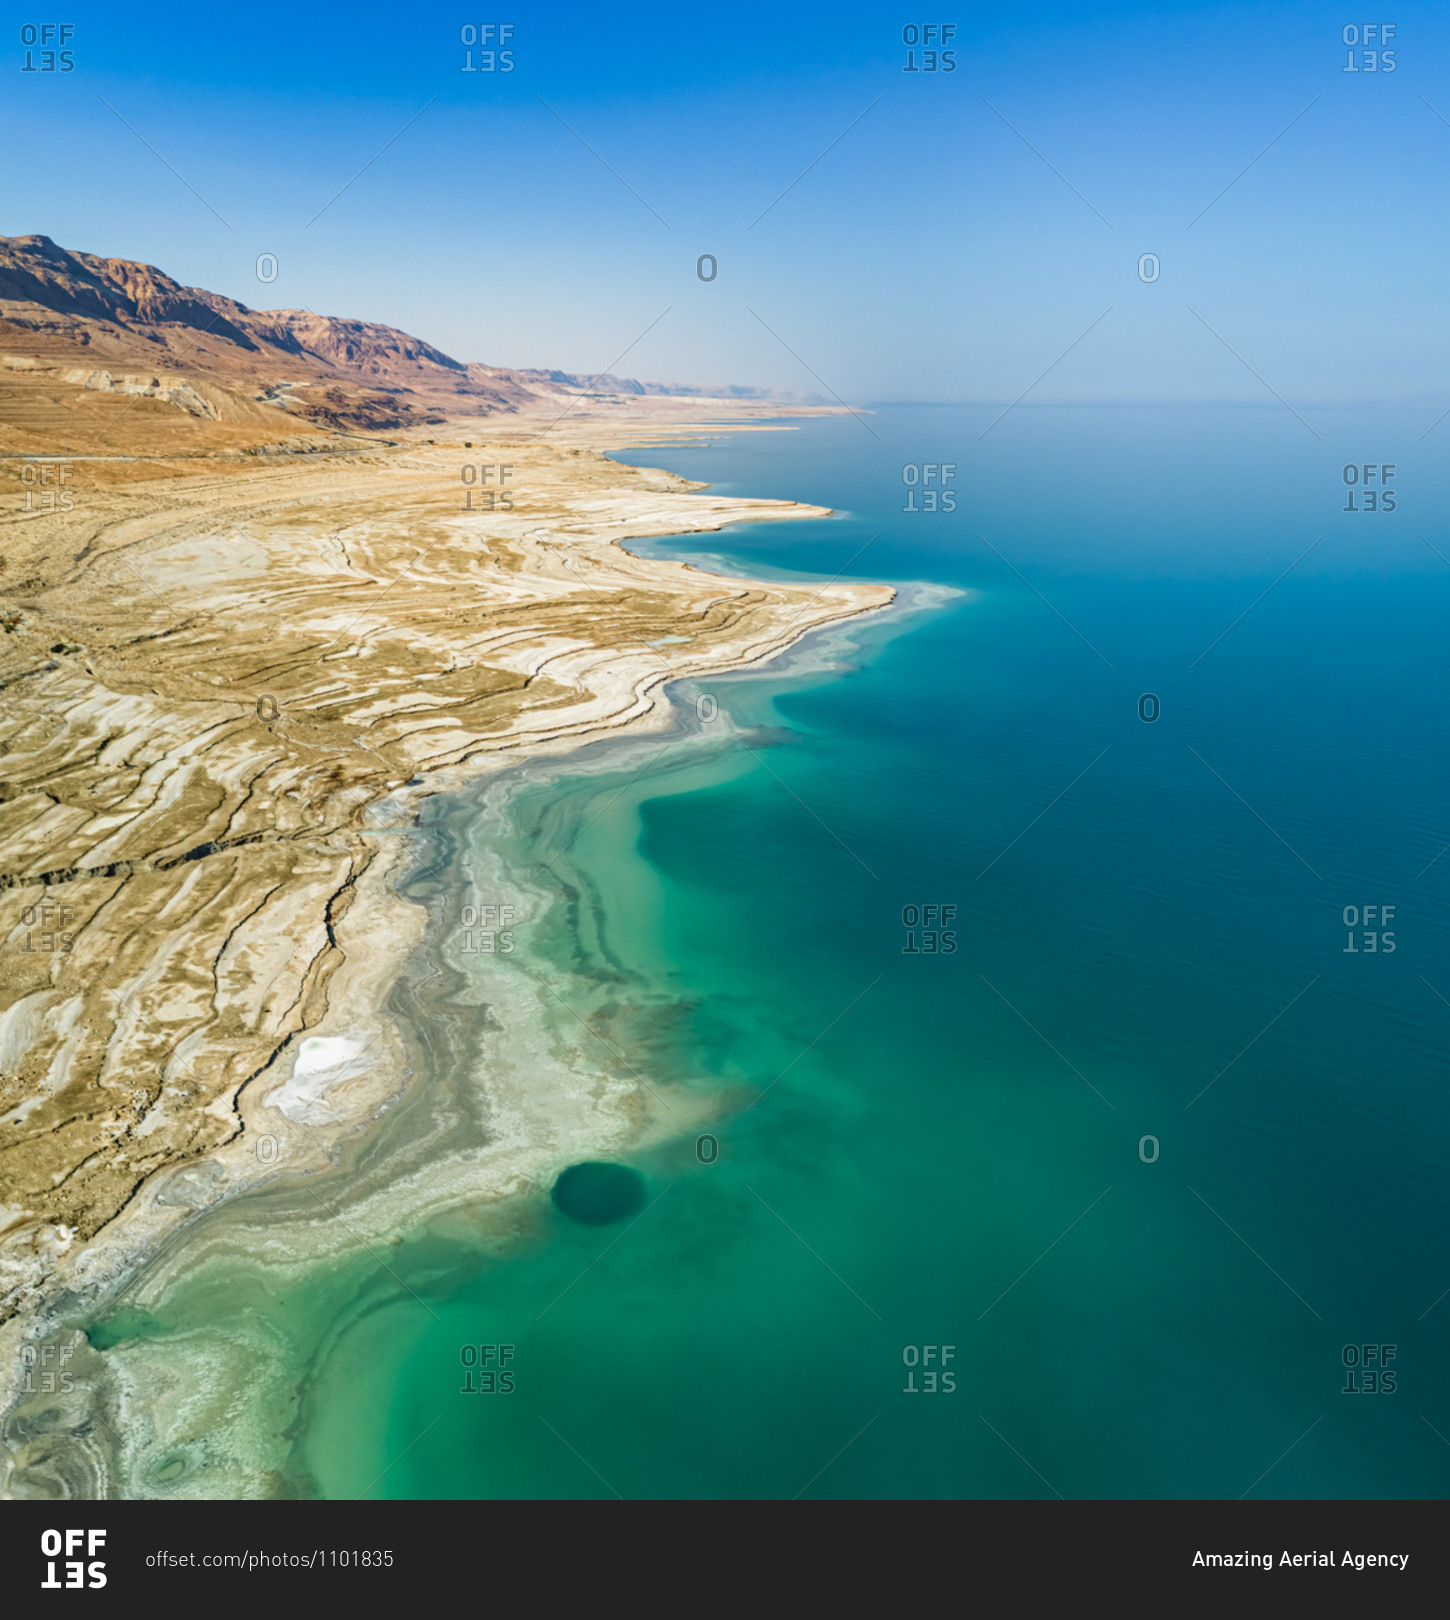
(128, 1323)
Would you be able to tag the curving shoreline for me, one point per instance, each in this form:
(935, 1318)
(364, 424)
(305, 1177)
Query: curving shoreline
(510, 1091)
(620, 683)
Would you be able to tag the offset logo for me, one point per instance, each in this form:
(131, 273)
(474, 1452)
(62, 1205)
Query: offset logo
(48, 36)
(78, 1572)
(931, 37)
(491, 1362)
(488, 36)
(934, 1380)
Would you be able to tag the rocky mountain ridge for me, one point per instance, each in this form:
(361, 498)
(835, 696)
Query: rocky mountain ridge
(121, 316)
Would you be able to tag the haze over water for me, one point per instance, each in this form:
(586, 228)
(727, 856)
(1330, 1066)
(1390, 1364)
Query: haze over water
(1149, 1148)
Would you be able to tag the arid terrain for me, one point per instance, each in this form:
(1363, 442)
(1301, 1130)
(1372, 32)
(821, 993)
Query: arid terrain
(75, 323)
(231, 633)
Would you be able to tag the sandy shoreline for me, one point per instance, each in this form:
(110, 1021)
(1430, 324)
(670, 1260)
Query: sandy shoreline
(213, 943)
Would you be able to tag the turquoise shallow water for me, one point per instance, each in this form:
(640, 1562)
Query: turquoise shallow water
(1146, 1150)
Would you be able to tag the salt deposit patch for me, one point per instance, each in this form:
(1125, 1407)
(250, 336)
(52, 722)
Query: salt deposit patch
(322, 1062)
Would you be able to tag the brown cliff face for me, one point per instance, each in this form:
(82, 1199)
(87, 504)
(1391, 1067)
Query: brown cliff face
(57, 304)
(35, 272)
(74, 325)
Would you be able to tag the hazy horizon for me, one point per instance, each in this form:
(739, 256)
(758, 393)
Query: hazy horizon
(878, 234)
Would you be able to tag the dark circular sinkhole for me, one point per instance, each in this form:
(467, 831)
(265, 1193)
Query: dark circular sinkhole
(599, 1194)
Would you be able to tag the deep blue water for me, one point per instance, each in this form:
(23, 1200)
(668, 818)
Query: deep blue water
(1150, 1147)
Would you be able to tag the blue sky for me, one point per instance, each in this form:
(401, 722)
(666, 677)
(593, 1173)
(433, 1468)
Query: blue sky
(930, 254)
